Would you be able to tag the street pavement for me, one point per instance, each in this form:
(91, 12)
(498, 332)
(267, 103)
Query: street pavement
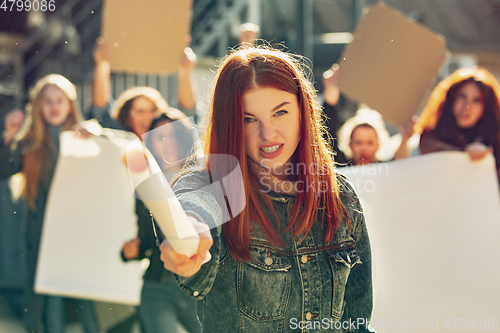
(9, 323)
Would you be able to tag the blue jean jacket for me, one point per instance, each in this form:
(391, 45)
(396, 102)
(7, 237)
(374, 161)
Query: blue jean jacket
(306, 287)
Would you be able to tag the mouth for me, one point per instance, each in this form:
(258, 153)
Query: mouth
(464, 113)
(271, 151)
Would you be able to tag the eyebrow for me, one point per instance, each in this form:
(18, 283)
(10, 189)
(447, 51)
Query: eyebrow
(274, 109)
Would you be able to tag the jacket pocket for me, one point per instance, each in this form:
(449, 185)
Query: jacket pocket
(341, 262)
(263, 285)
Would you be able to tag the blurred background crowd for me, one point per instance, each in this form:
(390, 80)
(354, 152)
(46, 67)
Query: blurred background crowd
(461, 112)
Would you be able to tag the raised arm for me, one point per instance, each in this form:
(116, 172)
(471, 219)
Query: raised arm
(406, 133)
(101, 90)
(331, 94)
(186, 93)
(249, 33)
(331, 91)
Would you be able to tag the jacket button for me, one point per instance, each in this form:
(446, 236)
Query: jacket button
(303, 259)
(308, 316)
(148, 253)
(268, 261)
(196, 293)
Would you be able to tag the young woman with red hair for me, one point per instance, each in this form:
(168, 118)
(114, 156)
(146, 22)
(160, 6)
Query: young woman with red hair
(463, 114)
(296, 253)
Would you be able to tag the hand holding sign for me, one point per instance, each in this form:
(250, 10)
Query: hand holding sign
(151, 186)
(181, 264)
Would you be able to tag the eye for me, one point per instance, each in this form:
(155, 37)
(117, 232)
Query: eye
(280, 112)
(249, 120)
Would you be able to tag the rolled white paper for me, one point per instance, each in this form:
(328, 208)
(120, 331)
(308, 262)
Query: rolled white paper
(151, 186)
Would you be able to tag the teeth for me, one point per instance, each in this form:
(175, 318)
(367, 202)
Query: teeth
(272, 149)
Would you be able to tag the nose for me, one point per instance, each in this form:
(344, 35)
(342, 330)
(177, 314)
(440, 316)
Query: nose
(54, 105)
(466, 105)
(267, 131)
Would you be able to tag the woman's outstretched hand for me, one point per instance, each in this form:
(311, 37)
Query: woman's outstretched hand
(182, 265)
(478, 150)
(81, 131)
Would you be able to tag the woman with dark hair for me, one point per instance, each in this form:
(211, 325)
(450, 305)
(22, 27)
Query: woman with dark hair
(136, 108)
(171, 140)
(298, 253)
(463, 114)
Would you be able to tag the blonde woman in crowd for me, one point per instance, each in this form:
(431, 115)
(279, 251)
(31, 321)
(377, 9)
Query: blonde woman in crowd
(34, 151)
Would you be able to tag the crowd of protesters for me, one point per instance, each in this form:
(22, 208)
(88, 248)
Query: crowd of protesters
(462, 114)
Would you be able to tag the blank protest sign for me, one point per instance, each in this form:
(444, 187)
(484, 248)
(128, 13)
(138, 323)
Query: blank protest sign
(434, 222)
(391, 63)
(90, 214)
(146, 36)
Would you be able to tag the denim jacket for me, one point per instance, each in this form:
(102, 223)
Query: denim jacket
(306, 287)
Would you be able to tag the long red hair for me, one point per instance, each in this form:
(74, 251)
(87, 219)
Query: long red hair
(241, 71)
(438, 113)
